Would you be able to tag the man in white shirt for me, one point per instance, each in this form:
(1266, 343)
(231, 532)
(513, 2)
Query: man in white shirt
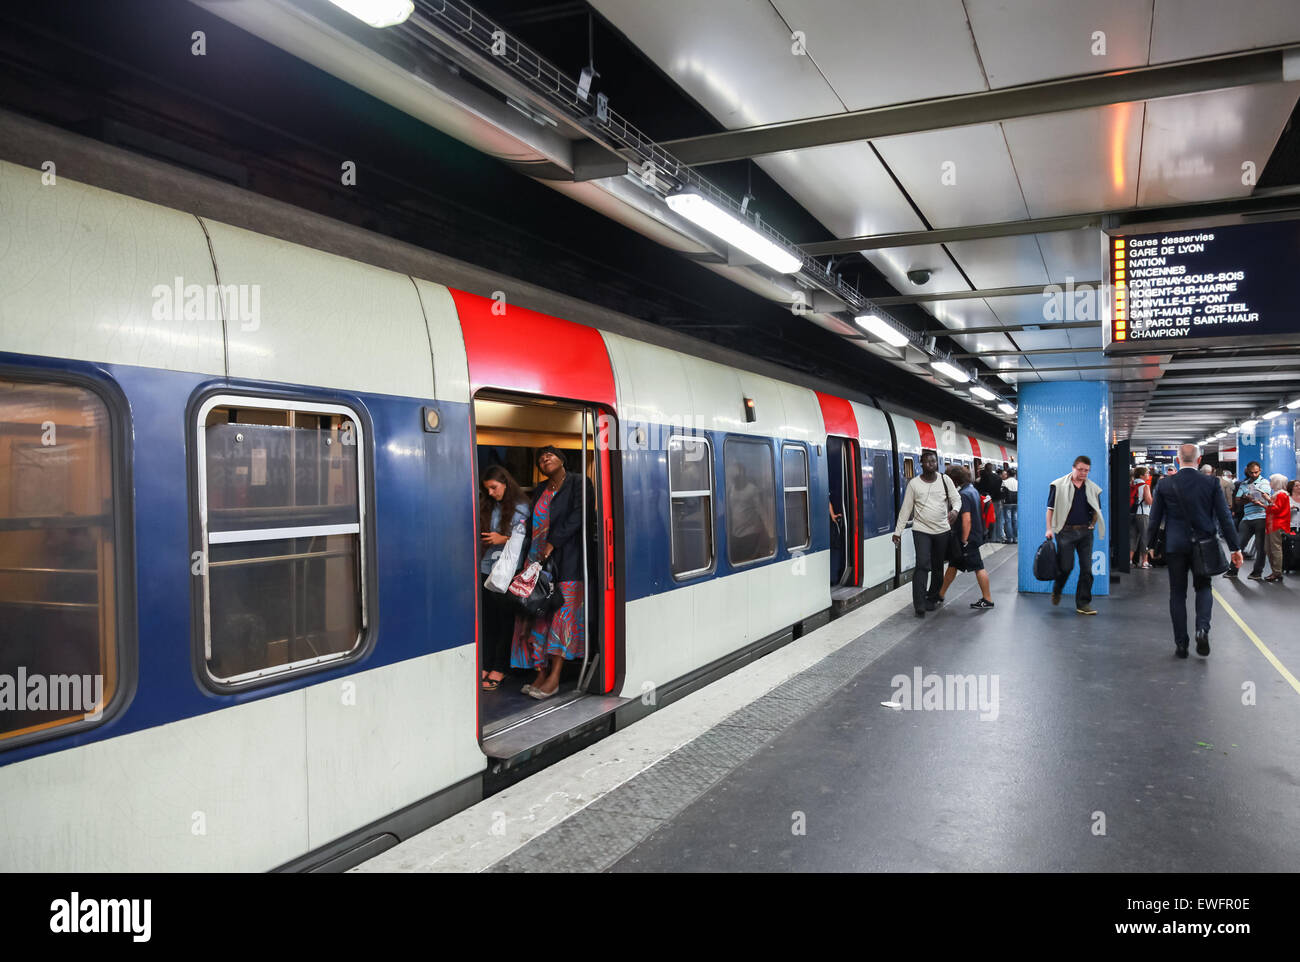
(931, 503)
(1010, 504)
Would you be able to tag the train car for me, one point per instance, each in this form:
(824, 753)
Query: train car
(239, 487)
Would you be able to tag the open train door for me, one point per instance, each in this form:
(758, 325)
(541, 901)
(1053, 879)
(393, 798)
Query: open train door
(844, 483)
(537, 382)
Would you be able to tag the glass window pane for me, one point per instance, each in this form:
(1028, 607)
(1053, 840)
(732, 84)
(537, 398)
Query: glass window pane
(796, 519)
(58, 604)
(882, 491)
(751, 500)
(909, 469)
(692, 536)
(282, 602)
(280, 475)
(794, 466)
(688, 464)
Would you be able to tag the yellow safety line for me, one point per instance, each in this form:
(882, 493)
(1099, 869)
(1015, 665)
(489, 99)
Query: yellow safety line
(1258, 644)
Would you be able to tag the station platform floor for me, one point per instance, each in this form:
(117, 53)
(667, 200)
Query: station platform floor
(1094, 749)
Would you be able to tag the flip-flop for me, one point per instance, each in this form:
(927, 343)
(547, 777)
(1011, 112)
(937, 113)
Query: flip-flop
(491, 684)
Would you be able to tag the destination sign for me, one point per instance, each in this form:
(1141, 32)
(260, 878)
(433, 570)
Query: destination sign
(1198, 284)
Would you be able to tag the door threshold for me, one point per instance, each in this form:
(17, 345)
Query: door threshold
(526, 738)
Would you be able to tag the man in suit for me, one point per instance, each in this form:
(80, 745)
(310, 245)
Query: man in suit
(1188, 502)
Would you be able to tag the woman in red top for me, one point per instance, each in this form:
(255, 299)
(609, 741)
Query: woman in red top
(1277, 522)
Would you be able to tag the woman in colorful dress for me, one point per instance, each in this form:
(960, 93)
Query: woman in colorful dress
(547, 641)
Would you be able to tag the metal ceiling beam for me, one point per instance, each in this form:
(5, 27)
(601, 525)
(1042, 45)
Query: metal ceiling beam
(1003, 329)
(1028, 100)
(1260, 201)
(1024, 289)
(1041, 350)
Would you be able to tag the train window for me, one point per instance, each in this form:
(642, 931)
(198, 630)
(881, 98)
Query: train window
(751, 500)
(909, 469)
(882, 493)
(58, 558)
(690, 485)
(282, 511)
(794, 476)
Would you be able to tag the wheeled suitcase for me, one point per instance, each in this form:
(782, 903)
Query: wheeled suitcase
(1291, 552)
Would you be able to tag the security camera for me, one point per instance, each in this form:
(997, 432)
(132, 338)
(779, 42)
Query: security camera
(919, 275)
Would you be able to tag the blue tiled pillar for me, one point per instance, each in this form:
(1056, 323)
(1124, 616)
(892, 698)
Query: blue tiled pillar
(1250, 447)
(1056, 422)
(1279, 449)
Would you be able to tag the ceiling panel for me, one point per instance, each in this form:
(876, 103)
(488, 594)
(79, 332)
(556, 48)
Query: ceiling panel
(733, 56)
(1088, 337)
(1001, 261)
(1042, 340)
(1023, 41)
(868, 50)
(1078, 161)
(1183, 29)
(1021, 309)
(845, 187)
(1072, 254)
(957, 177)
(979, 343)
(1193, 147)
(895, 262)
(963, 313)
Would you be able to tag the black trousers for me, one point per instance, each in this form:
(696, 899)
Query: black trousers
(931, 550)
(498, 630)
(1069, 542)
(1179, 566)
(1253, 528)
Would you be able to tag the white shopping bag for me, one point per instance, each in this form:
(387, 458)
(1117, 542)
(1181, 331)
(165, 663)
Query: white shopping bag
(503, 570)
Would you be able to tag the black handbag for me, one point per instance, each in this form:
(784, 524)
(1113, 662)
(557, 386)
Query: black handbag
(546, 595)
(956, 556)
(1047, 563)
(1207, 554)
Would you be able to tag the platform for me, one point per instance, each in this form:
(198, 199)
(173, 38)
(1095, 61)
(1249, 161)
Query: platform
(1095, 720)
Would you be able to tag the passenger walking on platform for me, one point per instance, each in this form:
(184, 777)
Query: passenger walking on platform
(931, 503)
(1277, 524)
(1011, 504)
(1073, 511)
(548, 640)
(1227, 482)
(503, 512)
(1140, 499)
(972, 536)
(1253, 495)
(1191, 502)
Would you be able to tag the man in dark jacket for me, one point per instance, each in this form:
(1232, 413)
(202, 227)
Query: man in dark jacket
(1189, 501)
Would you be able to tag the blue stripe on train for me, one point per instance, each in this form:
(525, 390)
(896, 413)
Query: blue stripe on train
(423, 551)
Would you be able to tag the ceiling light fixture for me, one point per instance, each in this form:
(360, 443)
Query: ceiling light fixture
(950, 371)
(1248, 424)
(1006, 408)
(1270, 415)
(1293, 405)
(378, 13)
(740, 235)
(882, 329)
(980, 391)
(1222, 434)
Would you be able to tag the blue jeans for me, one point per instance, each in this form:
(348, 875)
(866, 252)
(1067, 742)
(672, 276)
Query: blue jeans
(1010, 517)
(999, 530)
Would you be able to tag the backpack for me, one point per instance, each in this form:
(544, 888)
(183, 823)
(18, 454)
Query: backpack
(1134, 496)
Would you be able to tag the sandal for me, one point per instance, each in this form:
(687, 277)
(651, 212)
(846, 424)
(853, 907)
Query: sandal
(491, 684)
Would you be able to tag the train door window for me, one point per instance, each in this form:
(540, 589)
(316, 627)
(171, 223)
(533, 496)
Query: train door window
(58, 558)
(794, 476)
(909, 468)
(282, 518)
(882, 492)
(751, 500)
(690, 485)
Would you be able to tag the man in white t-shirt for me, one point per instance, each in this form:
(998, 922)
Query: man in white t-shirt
(1010, 504)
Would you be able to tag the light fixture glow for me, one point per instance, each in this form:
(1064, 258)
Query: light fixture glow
(1293, 405)
(1235, 429)
(950, 371)
(1222, 434)
(377, 13)
(1248, 424)
(702, 211)
(1270, 415)
(883, 330)
(1006, 408)
(982, 392)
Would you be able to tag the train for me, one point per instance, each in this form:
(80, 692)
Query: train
(240, 449)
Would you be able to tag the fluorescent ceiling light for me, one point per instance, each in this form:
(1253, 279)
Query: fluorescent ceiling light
(734, 231)
(1270, 415)
(1235, 429)
(882, 329)
(1006, 408)
(1222, 434)
(982, 392)
(377, 13)
(1293, 405)
(1248, 424)
(950, 371)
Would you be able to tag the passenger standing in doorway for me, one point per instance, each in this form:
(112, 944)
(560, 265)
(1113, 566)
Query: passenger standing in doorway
(1191, 502)
(972, 536)
(1253, 494)
(1073, 511)
(931, 503)
(991, 485)
(1011, 504)
(503, 512)
(548, 640)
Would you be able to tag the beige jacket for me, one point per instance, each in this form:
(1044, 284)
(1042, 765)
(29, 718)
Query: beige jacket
(1065, 497)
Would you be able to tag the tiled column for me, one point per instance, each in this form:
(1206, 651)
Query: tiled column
(1056, 422)
(1279, 448)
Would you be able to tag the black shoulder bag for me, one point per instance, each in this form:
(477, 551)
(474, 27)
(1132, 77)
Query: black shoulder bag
(1208, 558)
